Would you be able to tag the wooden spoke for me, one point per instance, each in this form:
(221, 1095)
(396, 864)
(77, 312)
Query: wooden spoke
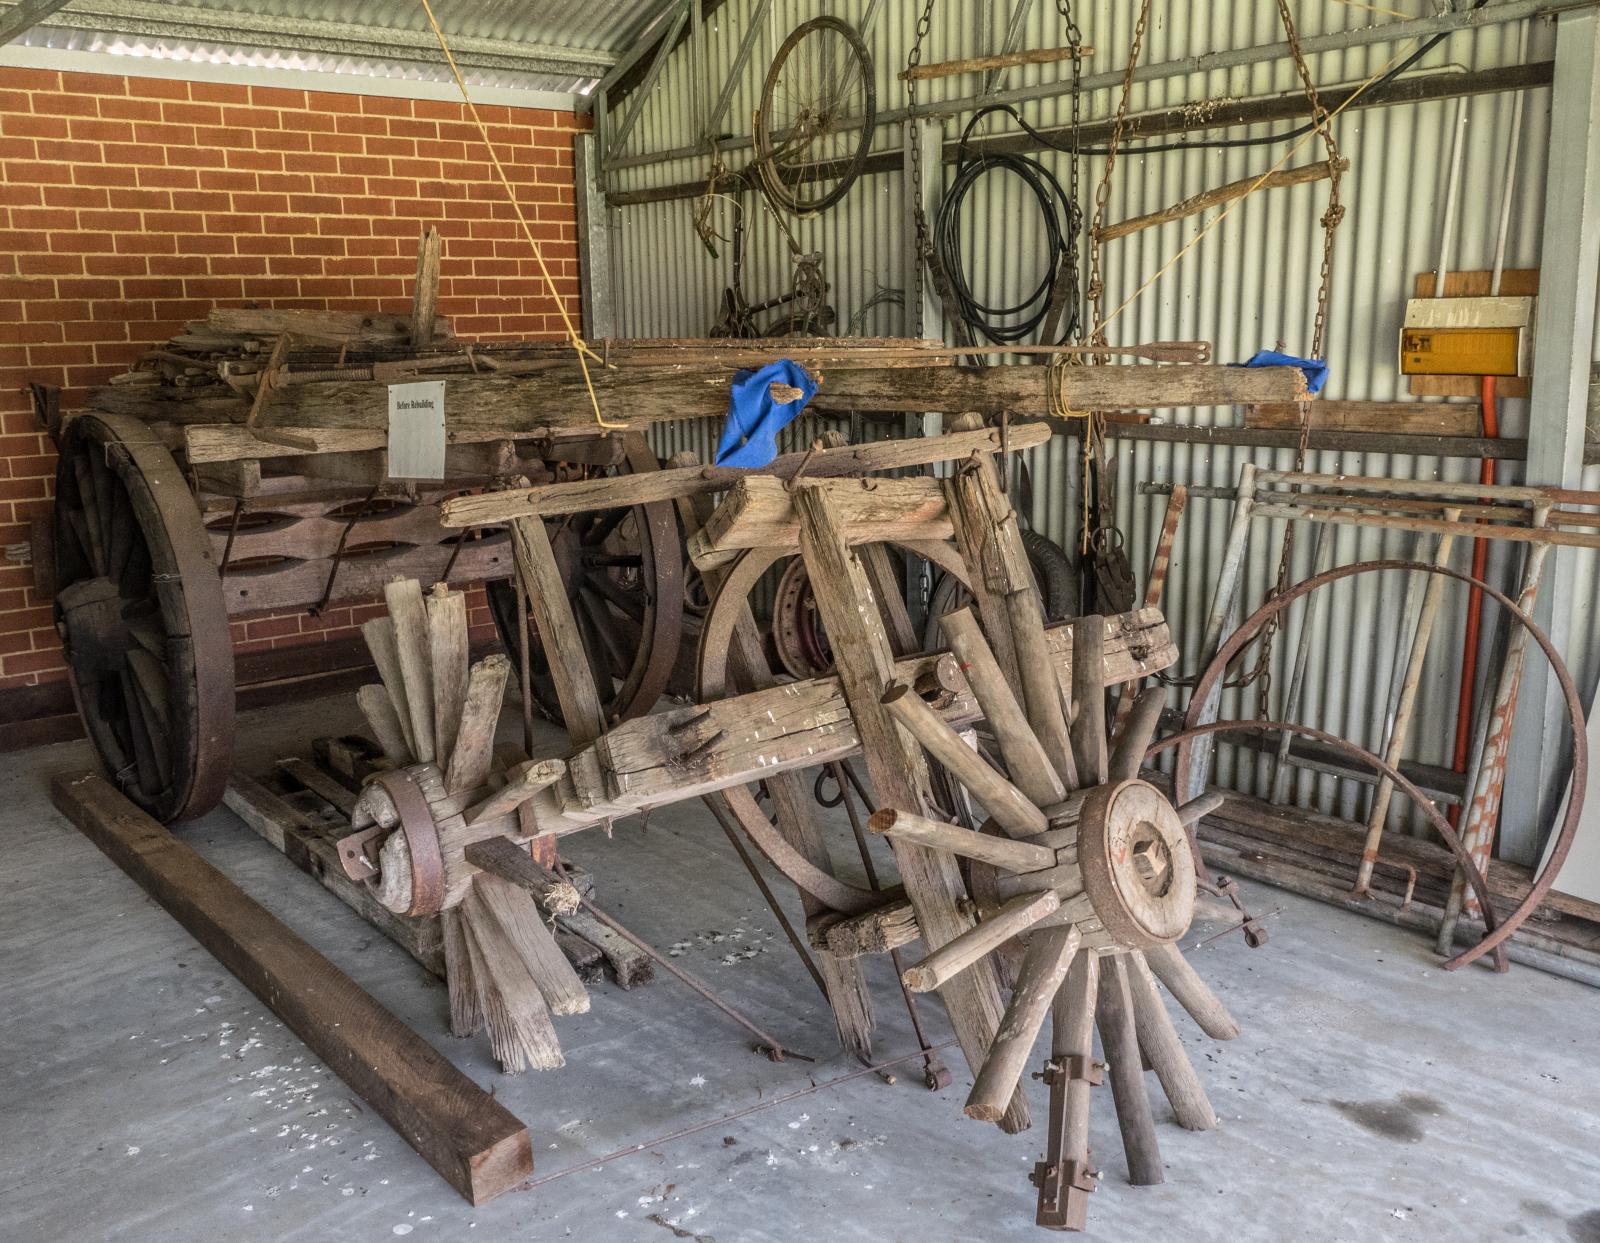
(1044, 968)
(1119, 1038)
(1089, 697)
(1138, 732)
(150, 676)
(89, 508)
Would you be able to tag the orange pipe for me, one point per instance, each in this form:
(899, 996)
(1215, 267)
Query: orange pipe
(1480, 561)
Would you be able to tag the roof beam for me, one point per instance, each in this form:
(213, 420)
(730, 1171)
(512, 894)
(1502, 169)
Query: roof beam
(648, 38)
(239, 28)
(21, 18)
(619, 141)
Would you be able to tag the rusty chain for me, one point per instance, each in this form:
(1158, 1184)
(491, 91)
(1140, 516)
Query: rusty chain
(1261, 673)
(919, 217)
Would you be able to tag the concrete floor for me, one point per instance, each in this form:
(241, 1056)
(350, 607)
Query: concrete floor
(146, 1095)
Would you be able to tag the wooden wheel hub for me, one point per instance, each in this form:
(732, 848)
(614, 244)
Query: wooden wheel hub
(94, 632)
(1136, 865)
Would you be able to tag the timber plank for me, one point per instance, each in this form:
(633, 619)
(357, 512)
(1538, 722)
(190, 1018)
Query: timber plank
(470, 1139)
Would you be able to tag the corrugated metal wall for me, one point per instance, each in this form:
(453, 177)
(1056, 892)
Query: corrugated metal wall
(1249, 284)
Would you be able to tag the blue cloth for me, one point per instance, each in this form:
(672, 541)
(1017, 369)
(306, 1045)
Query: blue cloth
(1316, 370)
(750, 436)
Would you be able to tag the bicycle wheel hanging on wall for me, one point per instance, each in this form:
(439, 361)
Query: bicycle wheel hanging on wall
(818, 108)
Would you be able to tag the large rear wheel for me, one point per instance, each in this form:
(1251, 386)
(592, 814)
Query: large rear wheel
(140, 611)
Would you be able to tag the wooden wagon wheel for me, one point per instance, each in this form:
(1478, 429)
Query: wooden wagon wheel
(140, 611)
(716, 642)
(624, 574)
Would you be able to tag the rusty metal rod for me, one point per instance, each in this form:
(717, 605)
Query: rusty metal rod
(766, 892)
(1426, 613)
(697, 985)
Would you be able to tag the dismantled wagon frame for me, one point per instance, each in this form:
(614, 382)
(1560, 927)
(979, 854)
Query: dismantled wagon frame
(1100, 864)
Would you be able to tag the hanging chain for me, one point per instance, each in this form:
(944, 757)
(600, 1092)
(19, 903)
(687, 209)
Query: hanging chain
(1075, 43)
(1261, 673)
(923, 241)
(1102, 194)
(1095, 522)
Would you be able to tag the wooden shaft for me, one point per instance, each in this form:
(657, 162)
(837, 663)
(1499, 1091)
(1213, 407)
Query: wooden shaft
(1192, 993)
(1138, 732)
(1217, 195)
(384, 722)
(1008, 805)
(1041, 684)
(522, 783)
(1044, 967)
(1159, 1041)
(897, 766)
(954, 957)
(1026, 759)
(1089, 696)
(1001, 852)
(1119, 1039)
(1001, 60)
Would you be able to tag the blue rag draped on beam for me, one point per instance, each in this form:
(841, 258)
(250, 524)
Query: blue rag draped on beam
(750, 436)
(1316, 371)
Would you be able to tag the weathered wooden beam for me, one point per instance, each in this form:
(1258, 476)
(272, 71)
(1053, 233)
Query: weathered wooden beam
(555, 499)
(759, 512)
(659, 758)
(462, 1131)
(1003, 60)
(1418, 418)
(554, 402)
(1218, 195)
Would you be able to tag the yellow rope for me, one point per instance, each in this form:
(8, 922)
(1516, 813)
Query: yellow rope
(1256, 185)
(582, 350)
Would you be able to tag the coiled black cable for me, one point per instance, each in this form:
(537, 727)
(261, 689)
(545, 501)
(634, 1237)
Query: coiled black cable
(1009, 324)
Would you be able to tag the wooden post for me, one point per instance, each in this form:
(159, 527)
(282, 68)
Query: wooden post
(898, 771)
(459, 1129)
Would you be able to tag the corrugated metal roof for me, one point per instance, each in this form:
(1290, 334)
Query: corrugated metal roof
(562, 45)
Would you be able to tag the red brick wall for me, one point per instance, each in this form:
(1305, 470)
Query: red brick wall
(129, 206)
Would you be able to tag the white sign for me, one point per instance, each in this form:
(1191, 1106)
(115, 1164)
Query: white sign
(416, 430)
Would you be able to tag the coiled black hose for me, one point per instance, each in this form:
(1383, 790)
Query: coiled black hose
(1009, 324)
